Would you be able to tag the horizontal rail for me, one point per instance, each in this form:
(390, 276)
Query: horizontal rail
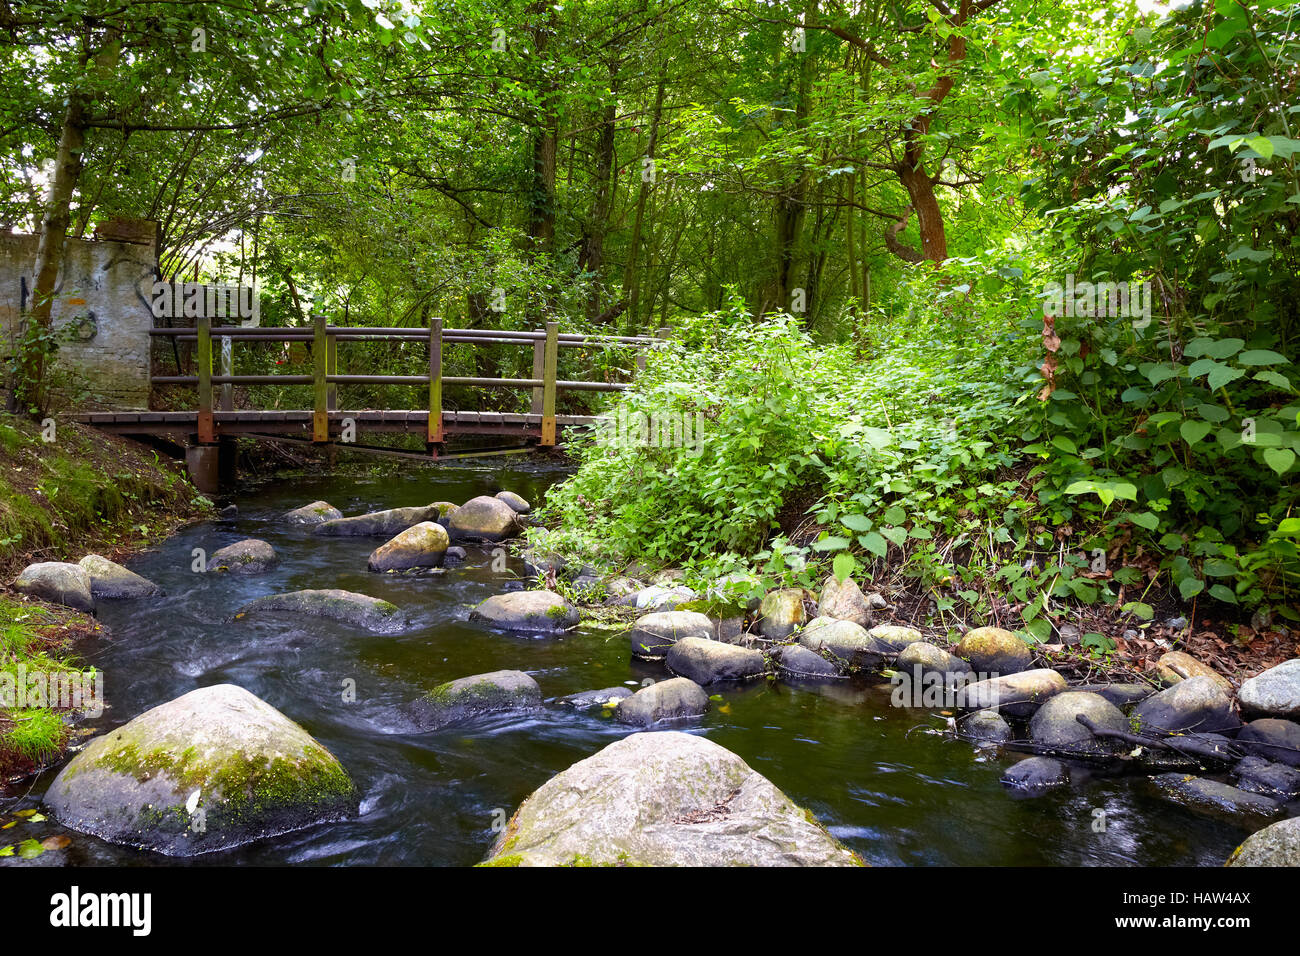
(351, 333)
(576, 386)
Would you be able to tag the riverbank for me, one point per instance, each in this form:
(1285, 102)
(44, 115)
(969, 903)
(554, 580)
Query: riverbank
(67, 491)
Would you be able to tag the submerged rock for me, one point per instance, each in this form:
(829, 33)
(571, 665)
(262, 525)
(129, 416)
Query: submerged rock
(377, 523)
(781, 613)
(1278, 844)
(707, 661)
(58, 582)
(422, 545)
(664, 799)
(985, 726)
(517, 504)
(992, 650)
(533, 611)
(335, 604)
(844, 601)
(1016, 694)
(677, 699)
(1212, 796)
(479, 695)
(250, 556)
(653, 635)
(483, 519)
(1055, 725)
(1277, 780)
(606, 696)
(315, 513)
(211, 770)
(1274, 693)
(1035, 775)
(797, 661)
(1198, 703)
(111, 581)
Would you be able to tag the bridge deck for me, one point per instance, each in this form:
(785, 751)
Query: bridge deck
(299, 422)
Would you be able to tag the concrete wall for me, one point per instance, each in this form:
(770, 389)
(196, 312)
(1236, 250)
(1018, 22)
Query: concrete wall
(103, 299)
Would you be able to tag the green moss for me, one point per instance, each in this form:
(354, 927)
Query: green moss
(512, 860)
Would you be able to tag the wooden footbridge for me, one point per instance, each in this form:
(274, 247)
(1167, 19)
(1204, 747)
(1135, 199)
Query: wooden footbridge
(215, 421)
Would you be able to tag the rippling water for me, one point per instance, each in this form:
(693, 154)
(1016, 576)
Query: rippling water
(873, 774)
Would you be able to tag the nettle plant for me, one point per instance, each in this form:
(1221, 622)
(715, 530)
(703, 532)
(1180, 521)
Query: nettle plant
(1172, 163)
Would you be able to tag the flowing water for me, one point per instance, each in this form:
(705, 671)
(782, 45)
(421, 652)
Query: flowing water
(873, 774)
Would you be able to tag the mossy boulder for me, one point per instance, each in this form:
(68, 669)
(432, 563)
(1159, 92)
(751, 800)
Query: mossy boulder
(377, 524)
(1055, 725)
(1197, 704)
(315, 513)
(895, 637)
(653, 635)
(850, 645)
(781, 613)
(483, 519)
(518, 505)
(110, 581)
(58, 582)
(664, 799)
(994, 651)
(250, 556)
(921, 657)
(422, 545)
(213, 769)
(1178, 666)
(1273, 693)
(1278, 844)
(348, 607)
(477, 696)
(537, 612)
(708, 661)
(1018, 695)
(677, 699)
(844, 601)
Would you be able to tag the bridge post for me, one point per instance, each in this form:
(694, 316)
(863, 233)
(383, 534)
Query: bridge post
(203, 361)
(331, 368)
(320, 419)
(433, 432)
(548, 379)
(539, 369)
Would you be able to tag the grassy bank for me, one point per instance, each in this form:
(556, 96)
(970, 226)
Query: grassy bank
(66, 492)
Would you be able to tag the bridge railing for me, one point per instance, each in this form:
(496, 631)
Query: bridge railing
(325, 379)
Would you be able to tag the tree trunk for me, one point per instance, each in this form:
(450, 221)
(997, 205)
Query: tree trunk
(631, 290)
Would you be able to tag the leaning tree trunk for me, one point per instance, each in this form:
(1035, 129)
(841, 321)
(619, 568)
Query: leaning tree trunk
(29, 385)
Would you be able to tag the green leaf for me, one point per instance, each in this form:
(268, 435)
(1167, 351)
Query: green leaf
(1261, 357)
(1189, 587)
(1223, 593)
(1194, 431)
(874, 542)
(843, 566)
(1279, 459)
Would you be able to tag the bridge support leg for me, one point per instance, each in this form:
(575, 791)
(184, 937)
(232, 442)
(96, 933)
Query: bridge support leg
(227, 461)
(203, 464)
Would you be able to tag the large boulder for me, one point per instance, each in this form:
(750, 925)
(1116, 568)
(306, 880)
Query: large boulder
(851, 646)
(1055, 724)
(480, 695)
(654, 634)
(1018, 695)
(664, 799)
(677, 699)
(706, 661)
(483, 519)
(994, 651)
(1272, 739)
(211, 770)
(111, 581)
(58, 582)
(844, 601)
(1274, 693)
(377, 524)
(1278, 844)
(1197, 704)
(921, 657)
(1211, 796)
(781, 613)
(1179, 666)
(422, 545)
(348, 607)
(250, 556)
(532, 611)
(894, 637)
(315, 513)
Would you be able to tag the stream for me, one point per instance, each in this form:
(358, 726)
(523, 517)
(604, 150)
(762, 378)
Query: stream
(871, 773)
